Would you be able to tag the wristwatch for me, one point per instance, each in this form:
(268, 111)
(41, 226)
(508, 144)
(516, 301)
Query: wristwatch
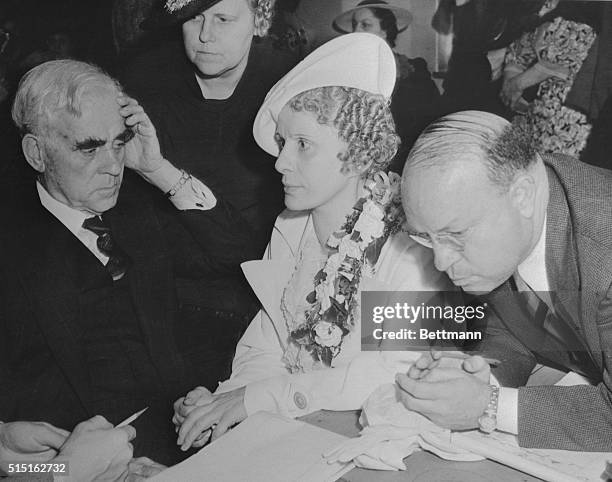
(487, 422)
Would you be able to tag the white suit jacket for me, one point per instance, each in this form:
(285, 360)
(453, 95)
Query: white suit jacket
(403, 265)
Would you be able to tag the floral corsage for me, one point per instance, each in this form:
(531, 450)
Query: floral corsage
(330, 316)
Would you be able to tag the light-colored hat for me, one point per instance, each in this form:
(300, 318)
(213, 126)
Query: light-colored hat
(359, 60)
(344, 21)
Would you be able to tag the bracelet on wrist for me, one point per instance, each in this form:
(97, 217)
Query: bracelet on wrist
(179, 184)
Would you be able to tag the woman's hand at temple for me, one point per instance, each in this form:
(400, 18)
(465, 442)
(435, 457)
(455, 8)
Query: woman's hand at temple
(218, 414)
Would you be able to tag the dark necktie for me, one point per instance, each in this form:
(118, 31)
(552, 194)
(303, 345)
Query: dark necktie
(118, 261)
(556, 326)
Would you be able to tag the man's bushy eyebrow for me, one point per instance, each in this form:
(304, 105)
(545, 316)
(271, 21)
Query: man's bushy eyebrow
(89, 143)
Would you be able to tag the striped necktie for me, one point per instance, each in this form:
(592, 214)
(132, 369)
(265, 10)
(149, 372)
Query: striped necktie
(118, 260)
(551, 318)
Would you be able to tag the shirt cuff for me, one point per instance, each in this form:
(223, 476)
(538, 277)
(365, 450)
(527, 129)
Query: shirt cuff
(194, 195)
(507, 410)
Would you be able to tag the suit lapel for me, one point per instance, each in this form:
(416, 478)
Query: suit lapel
(561, 262)
(136, 231)
(570, 297)
(269, 277)
(53, 270)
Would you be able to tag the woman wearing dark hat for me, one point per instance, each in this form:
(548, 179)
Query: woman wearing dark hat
(202, 93)
(414, 103)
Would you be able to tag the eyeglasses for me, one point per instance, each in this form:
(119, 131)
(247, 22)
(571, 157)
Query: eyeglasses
(454, 241)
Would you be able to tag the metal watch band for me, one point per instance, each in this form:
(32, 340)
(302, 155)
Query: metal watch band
(179, 184)
(487, 422)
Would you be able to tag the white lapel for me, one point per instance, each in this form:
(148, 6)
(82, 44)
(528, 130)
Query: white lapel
(269, 277)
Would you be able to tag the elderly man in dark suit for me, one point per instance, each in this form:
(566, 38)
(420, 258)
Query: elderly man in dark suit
(88, 305)
(534, 233)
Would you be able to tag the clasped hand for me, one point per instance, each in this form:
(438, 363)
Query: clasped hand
(200, 415)
(30, 441)
(451, 392)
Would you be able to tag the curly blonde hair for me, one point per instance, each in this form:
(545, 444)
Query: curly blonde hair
(264, 11)
(363, 121)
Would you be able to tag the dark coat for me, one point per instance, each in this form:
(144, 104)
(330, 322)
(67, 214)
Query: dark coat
(579, 268)
(43, 282)
(213, 139)
(415, 103)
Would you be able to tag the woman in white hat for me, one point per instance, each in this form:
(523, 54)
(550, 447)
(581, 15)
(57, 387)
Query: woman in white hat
(415, 100)
(329, 124)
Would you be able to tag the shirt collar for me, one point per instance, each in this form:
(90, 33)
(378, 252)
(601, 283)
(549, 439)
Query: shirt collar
(533, 268)
(69, 217)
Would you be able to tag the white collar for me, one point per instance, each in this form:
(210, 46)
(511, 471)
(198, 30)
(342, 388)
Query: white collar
(533, 268)
(69, 217)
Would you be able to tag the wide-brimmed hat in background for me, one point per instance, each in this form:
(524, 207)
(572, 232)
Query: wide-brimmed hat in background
(344, 21)
(358, 60)
(167, 13)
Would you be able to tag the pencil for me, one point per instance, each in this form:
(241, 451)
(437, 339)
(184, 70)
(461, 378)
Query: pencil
(131, 418)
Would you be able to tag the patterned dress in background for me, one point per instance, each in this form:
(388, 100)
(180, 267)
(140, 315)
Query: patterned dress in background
(559, 48)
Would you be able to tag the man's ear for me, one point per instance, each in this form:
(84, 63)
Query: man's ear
(32, 148)
(523, 193)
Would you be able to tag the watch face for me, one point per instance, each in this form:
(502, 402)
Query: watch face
(487, 423)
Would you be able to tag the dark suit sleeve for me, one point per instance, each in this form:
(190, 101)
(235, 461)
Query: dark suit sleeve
(211, 242)
(517, 361)
(577, 417)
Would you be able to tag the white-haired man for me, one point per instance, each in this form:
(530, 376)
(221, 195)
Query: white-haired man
(88, 304)
(535, 234)
(202, 95)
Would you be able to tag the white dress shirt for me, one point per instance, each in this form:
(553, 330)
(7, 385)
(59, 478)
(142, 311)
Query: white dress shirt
(533, 272)
(73, 220)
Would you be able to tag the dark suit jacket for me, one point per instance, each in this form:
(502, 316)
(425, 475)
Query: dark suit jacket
(43, 277)
(579, 269)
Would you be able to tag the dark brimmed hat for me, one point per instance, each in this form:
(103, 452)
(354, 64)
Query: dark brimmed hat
(344, 21)
(167, 13)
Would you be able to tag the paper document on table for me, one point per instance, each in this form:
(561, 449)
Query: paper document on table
(550, 465)
(263, 448)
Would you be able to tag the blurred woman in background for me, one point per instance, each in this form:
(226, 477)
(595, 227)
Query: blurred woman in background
(539, 71)
(415, 100)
